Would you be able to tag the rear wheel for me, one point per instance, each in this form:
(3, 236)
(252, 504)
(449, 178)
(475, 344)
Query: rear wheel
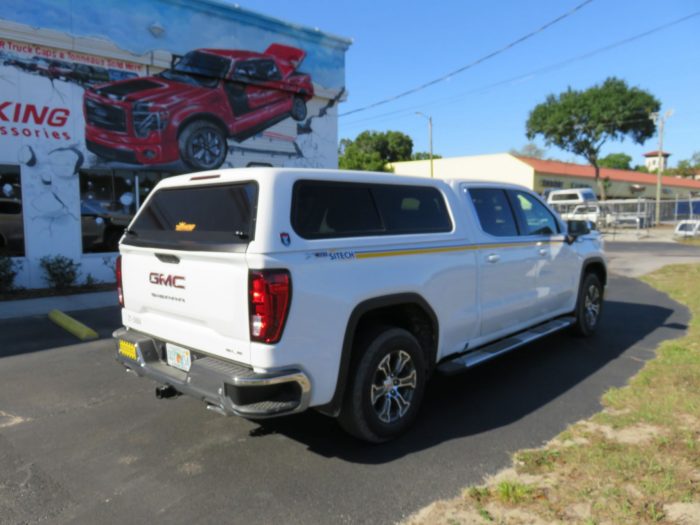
(589, 306)
(386, 388)
(202, 145)
(299, 110)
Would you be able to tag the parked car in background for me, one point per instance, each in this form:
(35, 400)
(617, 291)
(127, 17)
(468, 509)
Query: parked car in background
(11, 230)
(688, 229)
(597, 214)
(189, 111)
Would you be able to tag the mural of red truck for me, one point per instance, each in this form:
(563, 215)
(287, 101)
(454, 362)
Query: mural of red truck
(190, 110)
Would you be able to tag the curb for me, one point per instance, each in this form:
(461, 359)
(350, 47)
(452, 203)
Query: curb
(73, 326)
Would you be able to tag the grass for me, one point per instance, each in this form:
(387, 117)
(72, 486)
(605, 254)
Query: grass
(627, 464)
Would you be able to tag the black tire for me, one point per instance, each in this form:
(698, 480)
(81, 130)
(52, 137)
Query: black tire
(202, 145)
(589, 306)
(387, 358)
(299, 110)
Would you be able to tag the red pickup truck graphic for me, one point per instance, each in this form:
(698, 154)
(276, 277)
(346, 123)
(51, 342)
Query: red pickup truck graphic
(188, 112)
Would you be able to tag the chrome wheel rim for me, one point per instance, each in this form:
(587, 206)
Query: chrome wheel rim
(393, 386)
(206, 148)
(591, 305)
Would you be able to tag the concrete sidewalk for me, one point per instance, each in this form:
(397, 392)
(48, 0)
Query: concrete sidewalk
(642, 235)
(65, 303)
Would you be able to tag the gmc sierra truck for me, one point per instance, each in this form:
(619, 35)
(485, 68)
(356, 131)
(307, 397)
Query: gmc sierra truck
(267, 291)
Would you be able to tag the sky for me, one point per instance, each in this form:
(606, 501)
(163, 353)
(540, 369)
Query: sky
(401, 44)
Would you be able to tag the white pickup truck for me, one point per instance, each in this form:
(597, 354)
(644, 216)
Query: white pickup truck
(267, 291)
(594, 213)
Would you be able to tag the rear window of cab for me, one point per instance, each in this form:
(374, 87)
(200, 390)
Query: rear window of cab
(217, 217)
(325, 210)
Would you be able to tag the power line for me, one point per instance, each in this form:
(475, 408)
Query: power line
(408, 110)
(471, 64)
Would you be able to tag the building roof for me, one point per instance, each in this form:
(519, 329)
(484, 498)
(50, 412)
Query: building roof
(555, 167)
(655, 153)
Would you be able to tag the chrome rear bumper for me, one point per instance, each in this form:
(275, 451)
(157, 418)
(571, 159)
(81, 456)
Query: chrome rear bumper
(226, 387)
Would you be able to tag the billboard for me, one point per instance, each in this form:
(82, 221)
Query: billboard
(99, 103)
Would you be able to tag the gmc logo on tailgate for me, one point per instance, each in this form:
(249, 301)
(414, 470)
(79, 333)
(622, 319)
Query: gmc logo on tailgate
(174, 281)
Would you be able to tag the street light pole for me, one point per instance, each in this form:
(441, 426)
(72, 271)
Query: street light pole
(660, 122)
(430, 138)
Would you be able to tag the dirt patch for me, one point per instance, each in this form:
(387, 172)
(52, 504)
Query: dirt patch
(635, 435)
(454, 512)
(683, 513)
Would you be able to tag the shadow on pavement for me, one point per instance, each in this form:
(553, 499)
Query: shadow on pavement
(37, 333)
(497, 393)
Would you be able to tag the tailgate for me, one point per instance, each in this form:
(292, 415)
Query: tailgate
(184, 269)
(196, 300)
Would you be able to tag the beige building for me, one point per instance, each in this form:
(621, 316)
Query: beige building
(539, 175)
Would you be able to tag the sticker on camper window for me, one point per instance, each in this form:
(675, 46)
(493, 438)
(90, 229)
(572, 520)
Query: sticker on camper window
(183, 226)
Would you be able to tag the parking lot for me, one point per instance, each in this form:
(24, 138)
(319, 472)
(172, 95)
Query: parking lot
(82, 441)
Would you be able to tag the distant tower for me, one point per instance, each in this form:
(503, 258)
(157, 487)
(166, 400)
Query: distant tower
(651, 160)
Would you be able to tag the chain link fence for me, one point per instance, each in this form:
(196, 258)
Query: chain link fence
(630, 213)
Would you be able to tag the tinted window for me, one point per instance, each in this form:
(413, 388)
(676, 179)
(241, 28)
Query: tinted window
(535, 218)
(10, 207)
(565, 197)
(494, 212)
(412, 209)
(334, 210)
(11, 219)
(218, 217)
(325, 210)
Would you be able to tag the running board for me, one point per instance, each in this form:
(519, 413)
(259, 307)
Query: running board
(485, 353)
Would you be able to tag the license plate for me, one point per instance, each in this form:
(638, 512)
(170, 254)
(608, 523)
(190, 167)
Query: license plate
(178, 357)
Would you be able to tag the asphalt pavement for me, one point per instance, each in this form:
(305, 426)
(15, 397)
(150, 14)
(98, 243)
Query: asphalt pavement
(81, 441)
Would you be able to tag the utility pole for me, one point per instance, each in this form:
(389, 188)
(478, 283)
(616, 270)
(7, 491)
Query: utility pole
(430, 138)
(660, 121)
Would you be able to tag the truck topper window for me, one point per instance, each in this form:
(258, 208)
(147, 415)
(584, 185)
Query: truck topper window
(322, 210)
(197, 217)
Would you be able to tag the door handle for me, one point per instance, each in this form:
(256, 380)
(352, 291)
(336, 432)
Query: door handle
(542, 252)
(492, 257)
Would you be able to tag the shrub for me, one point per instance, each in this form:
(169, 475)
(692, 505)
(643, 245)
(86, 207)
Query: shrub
(8, 272)
(60, 272)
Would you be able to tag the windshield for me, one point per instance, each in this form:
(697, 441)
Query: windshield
(199, 69)
(686, 227)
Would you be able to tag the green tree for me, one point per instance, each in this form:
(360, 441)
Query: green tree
(686, 167)
(373, 150)
(619, 161)
(424, 155)
(530, 149)
(582, 121)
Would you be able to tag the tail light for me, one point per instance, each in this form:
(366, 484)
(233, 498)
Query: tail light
(270, 292)
(120, 289)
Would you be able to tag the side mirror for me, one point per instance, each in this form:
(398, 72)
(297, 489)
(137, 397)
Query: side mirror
(577, 228)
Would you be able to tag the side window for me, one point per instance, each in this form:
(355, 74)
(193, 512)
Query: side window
(323, 210)
(535, 218)
(412, 209)
(267, 70)
(494, 212)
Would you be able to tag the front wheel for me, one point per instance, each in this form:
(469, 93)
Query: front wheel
(589, 306)
(202, 146)
(386, 388)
